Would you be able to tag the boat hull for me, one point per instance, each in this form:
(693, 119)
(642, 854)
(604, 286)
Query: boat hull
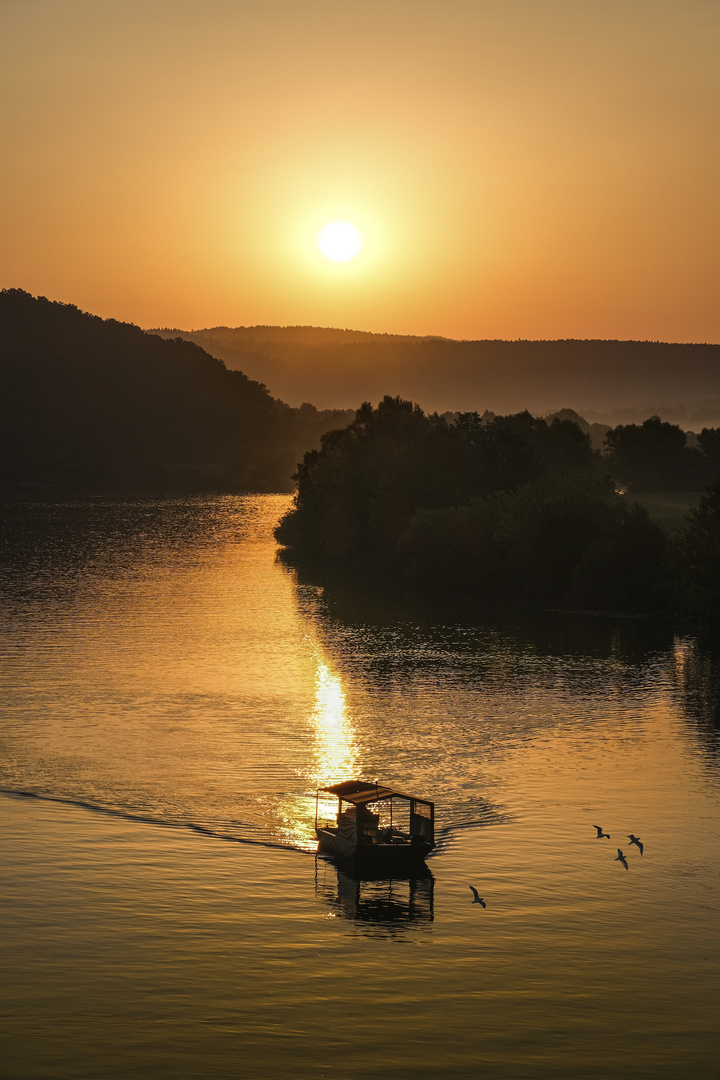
(378, 857)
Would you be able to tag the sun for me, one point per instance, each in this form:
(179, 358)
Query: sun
(340, 241)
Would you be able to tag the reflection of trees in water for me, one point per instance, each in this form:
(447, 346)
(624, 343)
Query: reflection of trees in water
(379, 607)
(697, 684)
(399, 645)
(391, 905)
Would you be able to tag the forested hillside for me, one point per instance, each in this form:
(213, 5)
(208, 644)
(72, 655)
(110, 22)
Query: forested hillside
(611, 381)
(88, 403)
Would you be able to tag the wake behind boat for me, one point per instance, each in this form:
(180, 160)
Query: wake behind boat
(375, 826)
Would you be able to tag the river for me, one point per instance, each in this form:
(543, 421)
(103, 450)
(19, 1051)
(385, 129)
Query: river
(173, 695)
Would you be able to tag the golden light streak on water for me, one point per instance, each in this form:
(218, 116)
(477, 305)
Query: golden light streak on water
(682, 656)
(336, 751)
(336, 757)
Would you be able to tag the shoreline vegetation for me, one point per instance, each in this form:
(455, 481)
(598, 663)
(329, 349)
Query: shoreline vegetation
(512, 510)
(493, 509)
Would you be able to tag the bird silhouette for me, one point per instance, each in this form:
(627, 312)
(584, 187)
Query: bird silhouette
(621, 858)
(636, 841)
(476, 894)
(600, 833)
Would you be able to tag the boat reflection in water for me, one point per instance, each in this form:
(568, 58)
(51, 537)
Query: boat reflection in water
(395, 902)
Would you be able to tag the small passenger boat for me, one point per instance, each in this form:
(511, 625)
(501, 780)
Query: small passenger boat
(375, 826)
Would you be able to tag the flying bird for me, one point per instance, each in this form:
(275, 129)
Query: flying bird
(600, 833)
(621, 858)
(636, 840)
(476, 894)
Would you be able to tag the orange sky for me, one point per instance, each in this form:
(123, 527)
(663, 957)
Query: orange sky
(518, 168)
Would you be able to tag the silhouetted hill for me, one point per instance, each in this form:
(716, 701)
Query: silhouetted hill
(611, 381)
(88, 402)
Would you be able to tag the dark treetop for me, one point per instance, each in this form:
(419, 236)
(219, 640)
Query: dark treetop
(508, 508)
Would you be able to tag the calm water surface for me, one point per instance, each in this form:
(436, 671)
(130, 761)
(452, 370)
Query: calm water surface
(172, 695)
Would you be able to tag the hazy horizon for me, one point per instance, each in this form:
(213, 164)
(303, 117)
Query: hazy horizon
(349, 330)
(608, 382)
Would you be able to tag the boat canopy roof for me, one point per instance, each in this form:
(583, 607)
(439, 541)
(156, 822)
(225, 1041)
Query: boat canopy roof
(368, 791)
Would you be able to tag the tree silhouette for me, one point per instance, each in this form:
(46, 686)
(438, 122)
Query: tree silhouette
(697, 553)
(653, 456)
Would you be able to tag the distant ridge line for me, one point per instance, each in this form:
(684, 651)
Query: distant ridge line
(602, 379)
(386, 335)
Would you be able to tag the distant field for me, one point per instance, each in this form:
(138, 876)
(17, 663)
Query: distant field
(667, 507)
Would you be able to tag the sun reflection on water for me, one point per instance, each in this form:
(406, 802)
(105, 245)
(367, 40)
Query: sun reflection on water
(335, 757)
(336, 754)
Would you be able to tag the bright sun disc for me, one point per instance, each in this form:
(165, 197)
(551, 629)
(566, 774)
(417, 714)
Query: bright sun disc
(339, 241)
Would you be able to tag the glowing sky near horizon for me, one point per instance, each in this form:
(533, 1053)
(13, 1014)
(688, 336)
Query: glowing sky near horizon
(516, 168)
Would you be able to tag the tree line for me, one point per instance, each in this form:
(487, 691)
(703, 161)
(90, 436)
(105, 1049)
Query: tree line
(509, 508)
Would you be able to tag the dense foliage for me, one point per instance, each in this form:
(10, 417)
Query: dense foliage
(88, 402)
(510, 508)
(657, 456)
(697, 557)
(358, 494)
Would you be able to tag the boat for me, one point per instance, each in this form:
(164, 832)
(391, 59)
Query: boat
(376, 827)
